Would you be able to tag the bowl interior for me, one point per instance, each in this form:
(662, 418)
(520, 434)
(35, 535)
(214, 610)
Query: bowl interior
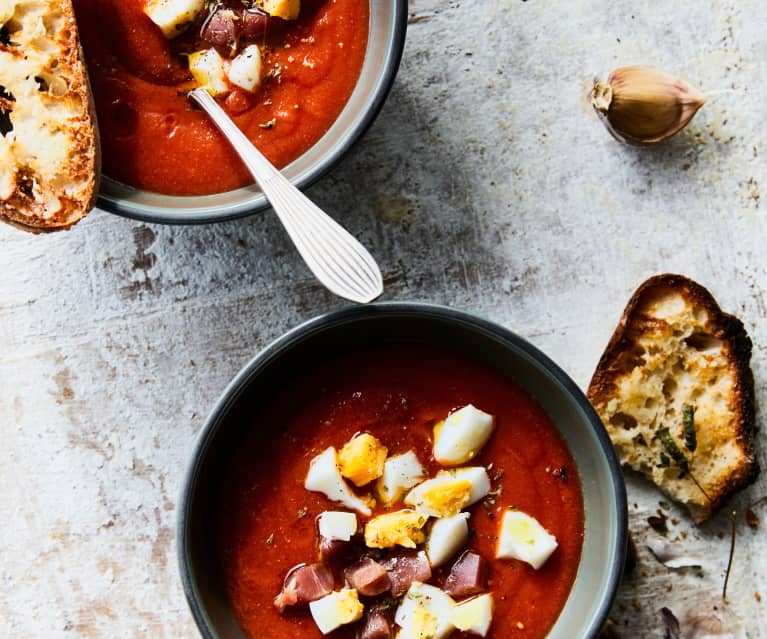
(388, 19)
(603, 491)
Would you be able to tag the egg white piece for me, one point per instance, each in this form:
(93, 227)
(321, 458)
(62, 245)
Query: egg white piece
(448, 535)
(336, 609)
(400, 473)
(324, 477)
(245, 70)
(462, 435)
(173, 16)
(444, 496)
(425, 613)
(207, 67)
(522, 537)
(337, 525)
(474, 615)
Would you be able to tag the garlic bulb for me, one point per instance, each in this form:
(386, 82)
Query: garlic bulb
(642, 106)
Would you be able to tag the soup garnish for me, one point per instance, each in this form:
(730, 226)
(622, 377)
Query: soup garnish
(407, 493)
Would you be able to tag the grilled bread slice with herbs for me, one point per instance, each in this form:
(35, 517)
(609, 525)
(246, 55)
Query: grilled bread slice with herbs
(676, 393)
(49, 163)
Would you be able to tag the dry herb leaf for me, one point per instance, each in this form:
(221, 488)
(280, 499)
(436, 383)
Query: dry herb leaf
(670, 623)
(658, 522)
(632, 556)
(688, 420)
(673, 451)
(673, 555)
(733, 533)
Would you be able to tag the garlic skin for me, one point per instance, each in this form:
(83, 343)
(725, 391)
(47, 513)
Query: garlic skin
(642, 106)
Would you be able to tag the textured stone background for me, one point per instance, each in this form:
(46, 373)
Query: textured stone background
(487, 184)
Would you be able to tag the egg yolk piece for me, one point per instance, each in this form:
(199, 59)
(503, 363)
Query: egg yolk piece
(450, 491)
(207, 68)
(362, 459)
(285, 9)
(424, 613)
(400, 528)
(448, 499)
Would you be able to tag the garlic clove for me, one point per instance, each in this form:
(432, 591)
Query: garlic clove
(642, 105)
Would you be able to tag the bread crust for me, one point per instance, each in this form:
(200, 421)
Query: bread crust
(715, 324)
(41, 192)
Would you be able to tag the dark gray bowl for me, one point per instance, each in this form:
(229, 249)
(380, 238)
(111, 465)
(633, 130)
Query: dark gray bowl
(602, 482)
(388, 24)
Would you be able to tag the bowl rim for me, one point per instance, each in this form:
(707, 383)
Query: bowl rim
(329, 320)
(259, 203)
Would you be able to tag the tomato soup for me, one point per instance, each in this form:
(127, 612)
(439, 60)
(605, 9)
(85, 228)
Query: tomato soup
(266, 517)
(154, 139)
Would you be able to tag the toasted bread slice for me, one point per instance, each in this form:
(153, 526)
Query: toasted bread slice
(49, 160)
(676, 393)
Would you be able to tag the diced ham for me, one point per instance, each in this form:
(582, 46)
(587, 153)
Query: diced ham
(374, 625)
(468, 576)
(304, 583)
(368, 577)
(254, 23)
(405, 568)
(339, 554)
(333, 550)
(222, 30)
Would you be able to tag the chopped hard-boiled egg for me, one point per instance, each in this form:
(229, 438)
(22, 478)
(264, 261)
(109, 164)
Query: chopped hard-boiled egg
(522, 537)
(207, 68)
(400, 473)
(425, 613)
(173, 16)
(245, 70)
(474, 615)
(400, 528)
(324, 477)
(337, 525)
(336, 609)
(362, 458)
(462, 435)
(450, 491)
(285, 9)
(447, 536)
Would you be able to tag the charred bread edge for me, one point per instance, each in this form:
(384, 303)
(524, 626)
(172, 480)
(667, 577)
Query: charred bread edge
(727, 328)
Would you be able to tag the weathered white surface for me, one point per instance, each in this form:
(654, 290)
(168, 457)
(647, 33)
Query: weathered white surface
(486, 184)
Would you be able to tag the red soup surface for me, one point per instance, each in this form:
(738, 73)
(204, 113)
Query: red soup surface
(266, 522)
(153, 138)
